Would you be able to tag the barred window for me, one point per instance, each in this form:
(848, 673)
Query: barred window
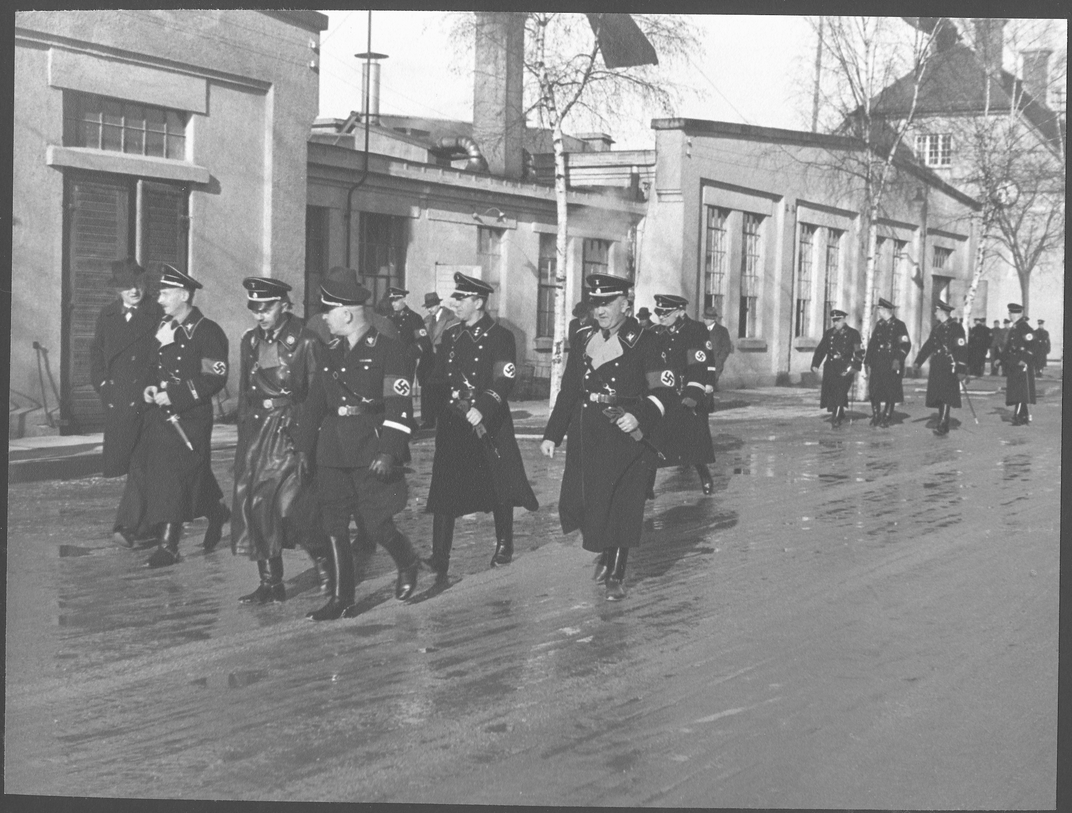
(383, 253)
(545, 302)
(715, 257)
(942, 258)
(833, 265)
(595, 256)
(103, 123)
(750, 266)
(935, 150)
(805, 260)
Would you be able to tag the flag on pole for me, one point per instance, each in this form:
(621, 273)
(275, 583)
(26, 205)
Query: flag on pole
(621, 41)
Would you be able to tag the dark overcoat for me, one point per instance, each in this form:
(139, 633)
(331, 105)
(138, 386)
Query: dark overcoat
(947, 348)
(471, 474)
(607, 471)
(842, 350)
(1042, 346)
(684, 436)
(978, 345)
(887, 351)
(170, 482)
(120, 360)
(275, 378)
(1021, 344)
(413, 334)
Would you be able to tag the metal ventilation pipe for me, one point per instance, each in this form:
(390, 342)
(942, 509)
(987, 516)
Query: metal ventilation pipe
(455, 144)
(370, 86)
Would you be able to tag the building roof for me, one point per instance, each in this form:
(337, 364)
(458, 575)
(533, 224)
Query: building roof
(955, 84)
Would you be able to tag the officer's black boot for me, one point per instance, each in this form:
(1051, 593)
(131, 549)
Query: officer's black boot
(220, 514)
(616, 577)
(504, 535)
(887, 415)
(876, 413)
(325, 574)
(406, 561)
(705, 478)
(264, 589)
(442, 537)
(602, 566)
(943, 420)
(839, 416)
(650, 495)
(343, 593)
(167, 550)
(278, 592)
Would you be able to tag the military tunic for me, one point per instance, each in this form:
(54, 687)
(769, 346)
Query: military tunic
(887, 350)
(948, 347)
(412, 333)
(120, 369)
(843, 351)
(171, 483)
(471, 474)
(684, 436)
(1019, 358)
(607, 471)
(275, 379)
(359, 407)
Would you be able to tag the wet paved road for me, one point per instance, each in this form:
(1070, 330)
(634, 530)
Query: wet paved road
(856, 618)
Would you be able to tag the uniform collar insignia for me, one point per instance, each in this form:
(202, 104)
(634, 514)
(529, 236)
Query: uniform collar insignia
(371, 336)
(629, 331)
(193, 319)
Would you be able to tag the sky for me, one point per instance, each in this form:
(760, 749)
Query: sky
(753, 70)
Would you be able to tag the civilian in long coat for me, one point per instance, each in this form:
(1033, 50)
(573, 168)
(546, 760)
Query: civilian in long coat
(615, 390)
(477, 465)
(887, 349)
(978, 345)
(434, 393)
(1021, 345)
(949, 349)
(171, 466)
(120, 360)
(277, 362)
(684, 436)
(841, 346)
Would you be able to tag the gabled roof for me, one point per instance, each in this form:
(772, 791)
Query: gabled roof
(955, 83)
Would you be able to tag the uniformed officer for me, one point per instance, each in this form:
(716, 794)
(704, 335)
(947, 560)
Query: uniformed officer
(613, 395)
(477, 465)
(120, 361)
(278, 359)
(948, 347)
(842, 348)
(887, 350)
(1042, 346)
(173, 455)
(411, 330)
(684, 436)
(358, 424)
(1021, 345)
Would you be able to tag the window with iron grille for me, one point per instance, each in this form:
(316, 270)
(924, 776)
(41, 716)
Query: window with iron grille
(103, 123)
(595, 256)
(750, 266)
(942, 258)
(805, 261)
(716, 255)
(382, 258)
(900, 270)
(831, 273)
(545, 301)
(935, 149)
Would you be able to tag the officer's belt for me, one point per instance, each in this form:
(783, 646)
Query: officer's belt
(274, 403)
(373, 408)
(612, 400)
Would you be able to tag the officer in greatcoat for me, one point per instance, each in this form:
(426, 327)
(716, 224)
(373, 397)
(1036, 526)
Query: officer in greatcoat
(477, 465)
(1021, 344)
(684, 436)
(411, 330)
(887, 351)
(615, 390)
(947, 349)
(1042, 346)
(172, 459)
(358, 426)
(277, 361)
(841, 346)
(120, 360)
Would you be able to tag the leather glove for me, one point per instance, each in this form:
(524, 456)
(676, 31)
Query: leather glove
(382, 466)
(895, 365)
(689, 402)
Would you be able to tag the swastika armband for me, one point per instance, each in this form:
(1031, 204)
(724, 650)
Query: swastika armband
(660, 378)
(696, 355)
(504, 369)
(214, 367)
(396, 386)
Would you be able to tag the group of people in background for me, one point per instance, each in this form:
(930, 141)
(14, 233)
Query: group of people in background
(325, 417)
(1021, 352)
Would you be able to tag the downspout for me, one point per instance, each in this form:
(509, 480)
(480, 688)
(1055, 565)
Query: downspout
(368, 116)
(792, 286)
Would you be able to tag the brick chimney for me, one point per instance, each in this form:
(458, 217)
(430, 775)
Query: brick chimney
(1037, 73)
(990, 40)
(498, 115)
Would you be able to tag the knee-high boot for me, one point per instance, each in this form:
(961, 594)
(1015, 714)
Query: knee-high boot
(616, 577)
(167, 550)
(705, 478)
(271, 588)
(220, 514)
(876, 412)
(407, 562)
(504, 535)
(442, 538)
(343, 593)
(887, 415)
(603, 566)
(943, 420)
